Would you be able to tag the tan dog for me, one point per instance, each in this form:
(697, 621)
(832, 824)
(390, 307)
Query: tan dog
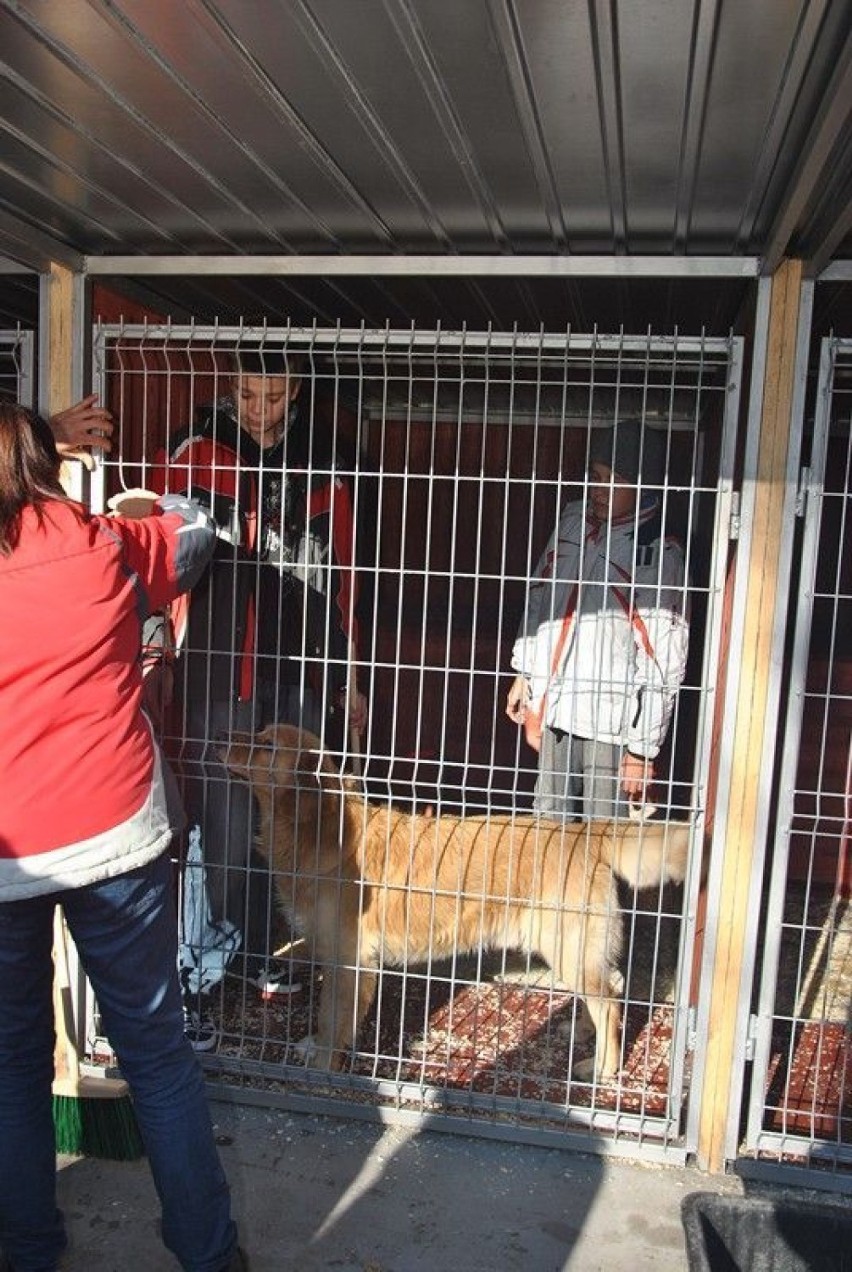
(367, 885)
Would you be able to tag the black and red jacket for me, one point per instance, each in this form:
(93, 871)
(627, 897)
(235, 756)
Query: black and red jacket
(278, 600)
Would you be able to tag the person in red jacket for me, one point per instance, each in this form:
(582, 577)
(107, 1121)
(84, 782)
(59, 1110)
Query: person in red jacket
(268, 635)
(84, 825)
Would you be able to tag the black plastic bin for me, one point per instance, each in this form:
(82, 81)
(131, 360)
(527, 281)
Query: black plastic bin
(753, 1234)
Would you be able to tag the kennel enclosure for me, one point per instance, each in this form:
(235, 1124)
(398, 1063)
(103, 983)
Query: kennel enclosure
(460, 449)
(410, 775)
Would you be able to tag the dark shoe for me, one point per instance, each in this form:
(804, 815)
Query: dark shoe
(239, 1263)
(199, 1024)
(275, 978)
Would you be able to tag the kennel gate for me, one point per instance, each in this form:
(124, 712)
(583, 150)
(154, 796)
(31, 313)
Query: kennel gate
(17, 382)
(800, 1098)
(460, 448)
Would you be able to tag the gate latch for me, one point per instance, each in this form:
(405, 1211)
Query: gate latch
(751, 1036)
(802, 491)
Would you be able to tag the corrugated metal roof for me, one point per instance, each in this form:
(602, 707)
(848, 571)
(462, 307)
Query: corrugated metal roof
(198, 127)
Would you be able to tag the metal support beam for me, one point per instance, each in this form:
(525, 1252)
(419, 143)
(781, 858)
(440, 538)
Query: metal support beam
(841, 227)
(830, 127)
(32, 248)
(8, 266)
(836, 272)
(431, 266)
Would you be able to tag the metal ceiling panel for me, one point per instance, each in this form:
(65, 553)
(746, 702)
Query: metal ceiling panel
(138, 209)
(346, 78)
(102, 113)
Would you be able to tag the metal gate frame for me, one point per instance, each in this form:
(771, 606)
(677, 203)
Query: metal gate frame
(758, 1139)
(21, 345)
(657, 1139)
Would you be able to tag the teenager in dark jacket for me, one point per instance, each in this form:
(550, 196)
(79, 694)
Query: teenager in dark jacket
(268, 635)
(84, 825)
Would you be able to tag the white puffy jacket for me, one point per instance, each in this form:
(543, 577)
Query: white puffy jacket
(605, 636)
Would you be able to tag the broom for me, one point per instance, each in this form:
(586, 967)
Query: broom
(92, 1116)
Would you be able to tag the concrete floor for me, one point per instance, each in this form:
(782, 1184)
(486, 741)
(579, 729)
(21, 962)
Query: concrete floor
(316, 1193)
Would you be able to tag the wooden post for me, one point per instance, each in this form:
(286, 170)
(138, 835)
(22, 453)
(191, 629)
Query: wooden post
(60, 320)
(739, 830)
(61, 346)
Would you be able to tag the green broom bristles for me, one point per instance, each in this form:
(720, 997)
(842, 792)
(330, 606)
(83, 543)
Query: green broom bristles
(93, 1116)
(103, 1125)
(105, 1128)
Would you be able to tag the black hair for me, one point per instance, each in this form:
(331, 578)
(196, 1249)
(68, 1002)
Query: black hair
(29, 469)
(258, 358)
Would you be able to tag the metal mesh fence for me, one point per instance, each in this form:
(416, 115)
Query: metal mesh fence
(16, 366)
(801, 1102)
(385, 502)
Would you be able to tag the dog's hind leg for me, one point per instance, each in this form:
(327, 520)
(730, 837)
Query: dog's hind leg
(586, 949)
(346, 995)
(606, 1017)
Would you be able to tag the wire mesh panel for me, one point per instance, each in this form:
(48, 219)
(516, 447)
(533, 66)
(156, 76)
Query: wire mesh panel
(375, 909)
(16, 366)
(801, 1098)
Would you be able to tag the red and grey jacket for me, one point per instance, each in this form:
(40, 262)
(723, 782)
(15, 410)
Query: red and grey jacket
(80, 791)
(277, 604)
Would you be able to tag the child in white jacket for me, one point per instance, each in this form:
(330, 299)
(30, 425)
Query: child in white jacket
(601, 651)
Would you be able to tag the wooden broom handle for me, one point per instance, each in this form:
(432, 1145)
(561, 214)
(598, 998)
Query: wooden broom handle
(68, 1079)
(66, 1059)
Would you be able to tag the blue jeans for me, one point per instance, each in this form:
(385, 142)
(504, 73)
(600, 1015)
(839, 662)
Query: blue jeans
(125, 930)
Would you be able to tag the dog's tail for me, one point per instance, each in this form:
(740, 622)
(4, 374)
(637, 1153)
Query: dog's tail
(647, 853)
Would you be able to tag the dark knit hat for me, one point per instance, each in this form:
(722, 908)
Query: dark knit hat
(634, 452)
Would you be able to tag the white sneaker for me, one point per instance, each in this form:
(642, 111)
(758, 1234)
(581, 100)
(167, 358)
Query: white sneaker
(199, 1024)
(275, 979)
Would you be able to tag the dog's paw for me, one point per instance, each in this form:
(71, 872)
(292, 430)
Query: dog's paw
(585, 1071)
(314, 1055)
(305, 1050)
(577, 1029)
